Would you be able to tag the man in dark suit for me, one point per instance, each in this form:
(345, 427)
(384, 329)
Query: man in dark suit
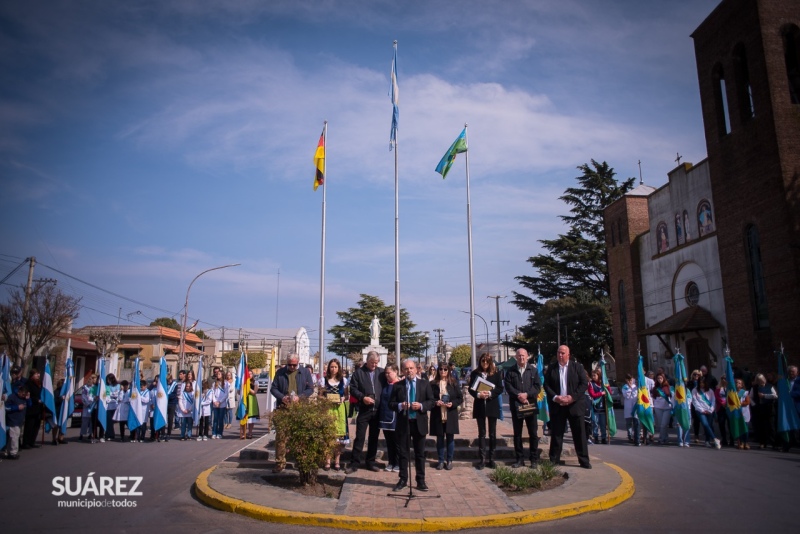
(565, 383)
(413, 399)
(366, 386)
(290, 383)
(523, 385)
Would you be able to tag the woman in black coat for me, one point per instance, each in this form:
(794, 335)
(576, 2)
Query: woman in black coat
(444, 415)
(486, 407)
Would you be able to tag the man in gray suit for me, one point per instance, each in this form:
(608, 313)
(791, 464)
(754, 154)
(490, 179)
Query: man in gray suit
(366, 386)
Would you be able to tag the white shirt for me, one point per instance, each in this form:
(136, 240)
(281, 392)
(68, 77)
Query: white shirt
(562, 376)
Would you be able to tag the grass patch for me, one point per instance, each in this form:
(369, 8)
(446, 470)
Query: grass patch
(544, 476)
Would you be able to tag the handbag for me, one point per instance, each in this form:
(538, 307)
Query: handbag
(527, 410)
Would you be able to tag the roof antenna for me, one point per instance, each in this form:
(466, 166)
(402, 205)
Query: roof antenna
(641, 182)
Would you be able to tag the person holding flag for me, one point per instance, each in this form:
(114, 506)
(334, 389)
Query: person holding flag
(541, 400)
(681, 402)
(733, 404)
(135, 404)
(65, 402)
(33, 415)
(788, 420)
(644, 407)
(101, 401)
(611, 417)
(160, 401)
(48, 402)
(5, 392)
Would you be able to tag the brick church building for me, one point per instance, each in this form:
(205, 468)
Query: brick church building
(712, 259)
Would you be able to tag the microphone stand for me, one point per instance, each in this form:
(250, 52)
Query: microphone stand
(410, 495)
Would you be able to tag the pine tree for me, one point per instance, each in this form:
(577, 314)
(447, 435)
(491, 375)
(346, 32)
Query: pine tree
(574, 266)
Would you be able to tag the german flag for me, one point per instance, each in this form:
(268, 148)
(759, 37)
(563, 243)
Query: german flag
(319, 161)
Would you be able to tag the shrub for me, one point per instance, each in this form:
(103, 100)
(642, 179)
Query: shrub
(311, 431)
(517, 480)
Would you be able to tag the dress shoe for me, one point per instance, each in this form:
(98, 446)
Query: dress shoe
(422, 486)
(400, 485)
(352, 468)
(449, 466)
(374, 468)
(518, 463)
(480, 465)
(491, 465)
(586, 466)
(440, 466)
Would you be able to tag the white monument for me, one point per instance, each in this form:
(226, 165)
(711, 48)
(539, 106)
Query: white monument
(374, 343)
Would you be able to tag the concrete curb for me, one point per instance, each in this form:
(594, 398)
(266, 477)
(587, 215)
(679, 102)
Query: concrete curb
(222, 502)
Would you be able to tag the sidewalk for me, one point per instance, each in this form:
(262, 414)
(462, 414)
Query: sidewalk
(461, 498)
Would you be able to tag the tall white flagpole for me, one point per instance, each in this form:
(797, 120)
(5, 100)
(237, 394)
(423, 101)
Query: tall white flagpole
(473, 348)
(322, 256)
(395, 102)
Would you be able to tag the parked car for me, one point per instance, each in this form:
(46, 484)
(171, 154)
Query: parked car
(262, 381)
(616, 393)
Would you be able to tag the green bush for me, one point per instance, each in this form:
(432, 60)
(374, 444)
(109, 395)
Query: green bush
(311, 431)
(522, 479)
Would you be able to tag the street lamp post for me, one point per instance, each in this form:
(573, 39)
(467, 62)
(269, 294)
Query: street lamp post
(346, 341)
(427, 337)
(485, 325)
(182, 348)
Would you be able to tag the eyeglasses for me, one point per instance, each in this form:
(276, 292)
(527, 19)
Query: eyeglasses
(291, 365)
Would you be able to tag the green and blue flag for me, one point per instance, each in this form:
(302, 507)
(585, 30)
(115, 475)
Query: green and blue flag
(644, 406)
(541, 400)
(680, 410)
(458, 146)
(788, 419)
(611, 418)
(733, 404)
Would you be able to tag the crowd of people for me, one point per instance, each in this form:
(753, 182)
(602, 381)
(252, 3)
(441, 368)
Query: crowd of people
(408, 403)
(707, 398)
(200, 419)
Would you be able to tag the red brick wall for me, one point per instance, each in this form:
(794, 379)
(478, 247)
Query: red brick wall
(754, 173)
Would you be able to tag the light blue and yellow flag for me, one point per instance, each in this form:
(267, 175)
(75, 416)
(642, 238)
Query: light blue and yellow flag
(733, 404)
(644, 406)
(541, 400)
(787, 413)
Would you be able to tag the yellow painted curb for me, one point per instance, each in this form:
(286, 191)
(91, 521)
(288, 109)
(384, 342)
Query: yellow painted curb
(213, 498)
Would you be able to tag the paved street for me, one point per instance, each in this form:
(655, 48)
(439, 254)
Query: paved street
(676, 489)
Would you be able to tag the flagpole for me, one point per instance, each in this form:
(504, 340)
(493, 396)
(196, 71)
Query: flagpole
(322, 255)
(473, 348)
(396, 229)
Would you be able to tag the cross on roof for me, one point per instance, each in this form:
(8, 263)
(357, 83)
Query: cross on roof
(678, 159)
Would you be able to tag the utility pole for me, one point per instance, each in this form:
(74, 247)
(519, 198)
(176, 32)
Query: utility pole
(439, 345)
(29, 287)
(222, 349)
(498, 321)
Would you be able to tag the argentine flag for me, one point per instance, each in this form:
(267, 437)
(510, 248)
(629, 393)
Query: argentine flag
(67, 393)
(48, 397)
(135, 410)
(198, 395)
(102, 400)
(160, 413)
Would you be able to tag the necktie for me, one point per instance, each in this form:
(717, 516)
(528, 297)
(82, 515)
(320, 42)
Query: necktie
(412, 397)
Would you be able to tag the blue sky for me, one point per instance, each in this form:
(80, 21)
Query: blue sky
(144, 142)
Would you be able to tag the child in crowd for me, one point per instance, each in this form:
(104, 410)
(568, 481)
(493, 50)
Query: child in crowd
(629, 398)
(185, 411)
(87, 399)
(123, 408)
(205, 413)
(744, 400)
(16, 407)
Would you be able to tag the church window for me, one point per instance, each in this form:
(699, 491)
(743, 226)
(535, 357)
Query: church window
(721, 101)
(758, 290)
(791, 54)
(623, 314)
(744, 89)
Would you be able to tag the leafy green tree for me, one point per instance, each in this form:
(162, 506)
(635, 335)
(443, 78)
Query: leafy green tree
(574, 265)
(167, 322)
(355, 325)
(461, 355)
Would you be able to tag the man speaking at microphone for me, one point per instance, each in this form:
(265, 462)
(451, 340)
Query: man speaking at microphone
(413, 399)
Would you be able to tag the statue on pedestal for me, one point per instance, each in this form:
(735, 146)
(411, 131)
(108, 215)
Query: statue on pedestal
(374, 331)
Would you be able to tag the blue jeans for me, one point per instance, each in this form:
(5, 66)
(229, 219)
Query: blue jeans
(706, 420)
(599, 424)
(662, 416)
(219, 420)
(684, 434)
(440, 447)
(186, 427)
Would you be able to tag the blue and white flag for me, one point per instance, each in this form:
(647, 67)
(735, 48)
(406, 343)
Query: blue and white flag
(5, 391)
(48, 396)
(394, 92)
(67, 394)
(160, 413)
(135, 410)
(198, 395)
(102, 396)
